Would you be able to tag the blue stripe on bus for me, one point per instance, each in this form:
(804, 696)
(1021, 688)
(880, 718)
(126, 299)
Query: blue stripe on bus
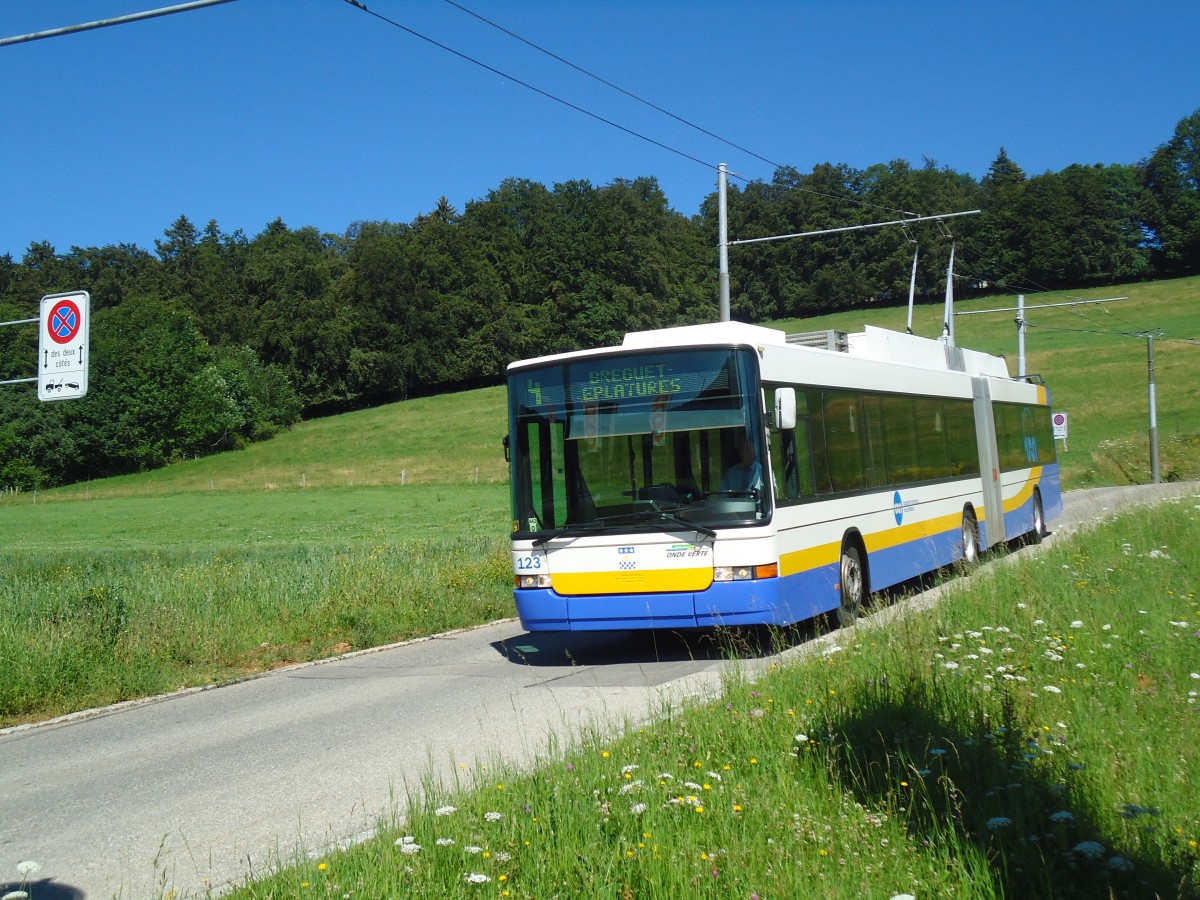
(770, 601)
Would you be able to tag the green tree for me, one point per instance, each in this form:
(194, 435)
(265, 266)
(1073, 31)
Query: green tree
(1001, 238)
(1170, 204)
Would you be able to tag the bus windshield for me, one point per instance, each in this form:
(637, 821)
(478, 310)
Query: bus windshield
(667, 439)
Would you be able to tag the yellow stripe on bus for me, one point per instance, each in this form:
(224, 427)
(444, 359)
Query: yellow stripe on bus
(638, 581)
(1023, 495)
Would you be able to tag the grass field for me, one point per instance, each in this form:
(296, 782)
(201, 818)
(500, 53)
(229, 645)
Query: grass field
(388, 523)
(1033, 735)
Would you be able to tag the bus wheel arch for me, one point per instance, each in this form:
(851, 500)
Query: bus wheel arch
(970, 538)
(854, 581)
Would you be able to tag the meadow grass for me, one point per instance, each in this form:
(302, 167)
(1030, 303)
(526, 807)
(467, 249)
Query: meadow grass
(1032, 735)
(212, 568)
(123, 598)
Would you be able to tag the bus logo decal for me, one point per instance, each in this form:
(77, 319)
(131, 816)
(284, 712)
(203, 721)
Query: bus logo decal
(901, 506)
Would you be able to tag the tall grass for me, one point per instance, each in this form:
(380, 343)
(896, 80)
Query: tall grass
(1033, 735)
(100, 583)
(130, 598)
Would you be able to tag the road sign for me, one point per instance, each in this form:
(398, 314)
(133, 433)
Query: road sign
(63, 352)
(1059, 421)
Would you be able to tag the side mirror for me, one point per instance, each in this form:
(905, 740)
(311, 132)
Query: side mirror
(785, 408)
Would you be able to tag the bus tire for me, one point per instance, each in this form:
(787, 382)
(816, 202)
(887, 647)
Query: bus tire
(854, 584)
(1039, 520)
(970, 540)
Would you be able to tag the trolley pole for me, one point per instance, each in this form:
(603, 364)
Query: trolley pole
(1154, 467)
(723, 240)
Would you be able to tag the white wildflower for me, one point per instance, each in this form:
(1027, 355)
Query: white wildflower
(638, 808)
(410, 849)
(493, 816)
(999, 822)
(478, 878)
(445, 810)
(446, 842)
(28, 867)
(1119, 864)
(1052, 689)
(1090, 849)
(1062, 817)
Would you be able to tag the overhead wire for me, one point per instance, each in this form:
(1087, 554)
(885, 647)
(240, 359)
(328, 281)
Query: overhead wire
(537, 90)
(615, 87)
(550, 96)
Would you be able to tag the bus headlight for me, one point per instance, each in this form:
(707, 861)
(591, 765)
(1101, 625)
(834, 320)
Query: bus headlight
(532, 581)
(745, 573)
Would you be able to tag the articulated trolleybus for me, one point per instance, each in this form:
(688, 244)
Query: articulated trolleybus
(729, 474)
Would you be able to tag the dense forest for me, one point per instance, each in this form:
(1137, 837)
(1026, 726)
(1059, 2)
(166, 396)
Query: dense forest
(215, 339)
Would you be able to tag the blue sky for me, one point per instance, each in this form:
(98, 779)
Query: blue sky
(318, 113)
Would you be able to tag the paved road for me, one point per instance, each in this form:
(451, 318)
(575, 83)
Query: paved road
(196, 789)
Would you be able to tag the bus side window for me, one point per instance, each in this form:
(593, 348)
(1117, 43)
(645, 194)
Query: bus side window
(783, 464)
(791, 457)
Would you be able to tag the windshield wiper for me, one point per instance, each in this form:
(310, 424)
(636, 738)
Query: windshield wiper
(669, 518)
(643, 517)
(576, 528)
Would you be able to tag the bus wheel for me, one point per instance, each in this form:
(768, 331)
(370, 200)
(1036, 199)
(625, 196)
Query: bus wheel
(854, 585)
(1039, 520)
(970, 539)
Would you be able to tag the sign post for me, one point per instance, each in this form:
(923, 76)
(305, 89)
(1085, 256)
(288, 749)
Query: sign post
(1059, 421)
(63, 351)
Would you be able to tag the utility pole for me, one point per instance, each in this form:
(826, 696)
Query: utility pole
(1154, 467)
(1021, 325)
(723, 240)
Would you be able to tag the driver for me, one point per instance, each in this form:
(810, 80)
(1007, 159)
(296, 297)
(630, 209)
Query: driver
(746, 474)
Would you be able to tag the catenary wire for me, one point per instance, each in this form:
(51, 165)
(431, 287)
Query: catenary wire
(615, 87)
(528, 86)
(362, 6)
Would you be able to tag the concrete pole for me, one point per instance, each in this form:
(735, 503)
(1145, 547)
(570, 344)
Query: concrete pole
(1154, 467)
(1021, 335)
(723, 241)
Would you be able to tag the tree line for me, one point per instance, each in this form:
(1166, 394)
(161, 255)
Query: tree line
(215, 339)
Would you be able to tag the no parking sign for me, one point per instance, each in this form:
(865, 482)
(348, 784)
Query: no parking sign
(63, 353)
